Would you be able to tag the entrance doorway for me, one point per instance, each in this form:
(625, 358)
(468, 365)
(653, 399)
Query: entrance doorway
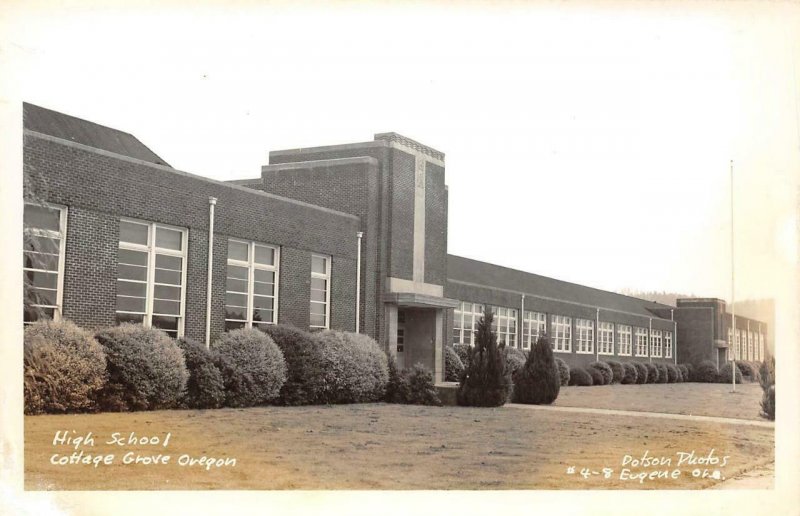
(401, 339)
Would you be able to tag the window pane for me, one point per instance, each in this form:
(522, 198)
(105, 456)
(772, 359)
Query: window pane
(130, 304)
(264, 255)
(129, 257)
(132, 232)
(318, 284)
(169, 277)
(166, 307)
(169, 238)
(237, 250)
(318, 308)
(47, 262)
(41, 279)
(164, 292)
(174, 263)
(233, 325)
(263, 302)
(41, 217)
(319, 265)
(234, 312)
(127, 288)
(262, 315)
(165, 323)
(41, 244)
(132, 272)
(318, 295)
(130, 318)
(237, 272)
(235, 299)
(40, 296)
(32, 314)
(264, 276)
(317, 320)
(236, 285)
(264, 289)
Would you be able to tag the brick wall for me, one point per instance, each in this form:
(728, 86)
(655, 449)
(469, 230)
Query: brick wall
(435, 225)
(401, 218)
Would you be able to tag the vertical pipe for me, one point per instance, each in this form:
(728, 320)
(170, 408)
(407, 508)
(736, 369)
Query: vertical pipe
(521, 326)
(674, 335)
(212, 201)
(358, 283)
(733, 297)
(650, 341)
(597, 335)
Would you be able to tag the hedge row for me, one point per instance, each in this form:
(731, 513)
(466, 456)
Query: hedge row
(605, 373)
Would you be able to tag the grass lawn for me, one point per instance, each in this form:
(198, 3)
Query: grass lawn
(379, 446)
(699, 399)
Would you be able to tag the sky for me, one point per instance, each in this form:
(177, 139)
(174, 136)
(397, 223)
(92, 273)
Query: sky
(591, 142)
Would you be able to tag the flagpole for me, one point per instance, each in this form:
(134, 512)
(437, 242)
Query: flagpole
(733, 298)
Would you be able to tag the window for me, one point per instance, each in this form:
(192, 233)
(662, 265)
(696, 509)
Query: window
(738, 346)
(251, 285)
(465, 322)
(730, 344)
(561, 329)
(761, 350)
(320, 291)
(605, 338)
(641, 342)
(505, 324)
(750, 347)
(45, 229)
(584, 328)
(151, 275)
(655, 343)
(624, 333)
(534, 325)
(667, 344)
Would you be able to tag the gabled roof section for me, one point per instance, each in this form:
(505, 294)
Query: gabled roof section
(66, 127)
(482, 273)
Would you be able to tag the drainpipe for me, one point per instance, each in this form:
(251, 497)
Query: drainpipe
(674, 335)
(358, 283)
(650, 341)
(597, 335)
(522, 325)
(212, 201)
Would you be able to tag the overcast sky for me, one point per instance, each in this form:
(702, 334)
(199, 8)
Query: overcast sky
(584, 143)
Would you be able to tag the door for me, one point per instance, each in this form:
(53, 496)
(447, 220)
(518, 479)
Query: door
(401, 339)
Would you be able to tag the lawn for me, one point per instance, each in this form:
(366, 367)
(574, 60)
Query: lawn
(379, 446)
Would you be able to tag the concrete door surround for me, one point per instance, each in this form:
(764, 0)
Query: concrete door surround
(423, 336)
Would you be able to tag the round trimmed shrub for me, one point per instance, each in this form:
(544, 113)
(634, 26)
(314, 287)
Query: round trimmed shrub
(453, 366)
(539, 380)
(706, 372)
(597, 376)
(65, 368)
(515, 359)
(630, 375)
(204, 388)
(686, 373)
(463, 351)
(605, 370)
(680, 375)
(663, 373)
(307, 365)
(725, 374)
(563, 371)
(653, 375)
(642, 373)
(357, 368)
(749, 371)
(252, 366)
(146, 369)
(580, 377)
(419, 388)
(617, 369)
(673, 375)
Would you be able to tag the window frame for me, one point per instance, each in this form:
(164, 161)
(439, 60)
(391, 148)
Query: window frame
(565, 322)
(509, 318)
(605, 329)
(642, 342)
(667, 344)
(63, 214)
(656, 343)
(529, 319)
(327, 277)
(622, 331)
(475, 313)
(252, 266)
(584, 326)
(152, 250)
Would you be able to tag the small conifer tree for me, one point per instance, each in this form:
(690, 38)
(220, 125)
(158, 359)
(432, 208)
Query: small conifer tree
(486, 381)
(539, 380)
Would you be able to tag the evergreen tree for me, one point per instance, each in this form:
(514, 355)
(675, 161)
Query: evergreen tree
(486, 381)
(539, 380)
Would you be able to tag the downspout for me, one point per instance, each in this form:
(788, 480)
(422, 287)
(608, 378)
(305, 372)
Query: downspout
(650, 341)
(358, 283)
(674, 335)
(597, 335)
(521, 322)
(212, 201)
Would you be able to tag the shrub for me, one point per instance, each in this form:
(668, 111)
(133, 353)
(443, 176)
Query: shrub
(204, 388)
(580, 377)
(767, 380)
(308, 375)
(597, 376)
(357, 369)
(419, 388)
(486, 380)
(631, 375)
(539, 380)
(605, 371)
(766, 373)
(673, 374)
(686, 372)
(618, 370)
(768, 403)
(65, 368)
(680, 378)
(749, 370)
(453, 366)
(463, 351)
(663, 373)
(252, 366)
(653, 374)
(563, 371)
(725, 374)
(146, 369)
(395, 386)
(515, 359)
(705, 372)
(642, 372)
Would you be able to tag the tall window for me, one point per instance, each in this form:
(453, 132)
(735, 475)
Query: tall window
(667, 344)
(730, 344)
(738, 336)
(655, 343)
(584, 329)
(45, 228)
(320, 291)
(534, 325)
(750, 347)
(561, 330)
(641, 342)
(251, 285)
(465, 322)
(761, 349)
(605, 338)
(625, 345)
(505, 324)
(151, 275)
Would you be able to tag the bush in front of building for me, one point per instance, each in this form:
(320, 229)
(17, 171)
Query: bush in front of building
(605, 371)
(252, 366)
(395, 383)
(597, 376)
(652, 373)
(357, 368)
(663, 373)
(705, 372)
(642, 373)
(453, 366)
(580, 377)
(686, 372)
(767, 380)
(539, 380)
(486, 381)
(618, 370)
(64, 368)
(725, 374)
(419, 388)
(308, 376)
(673, 374)
(749, 370)
(146, 369)
(515, 359)
(205, 388)
(630, 375)
(563, 371)
(463, 351)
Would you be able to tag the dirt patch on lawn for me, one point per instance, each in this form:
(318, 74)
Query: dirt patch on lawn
(378, 446)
